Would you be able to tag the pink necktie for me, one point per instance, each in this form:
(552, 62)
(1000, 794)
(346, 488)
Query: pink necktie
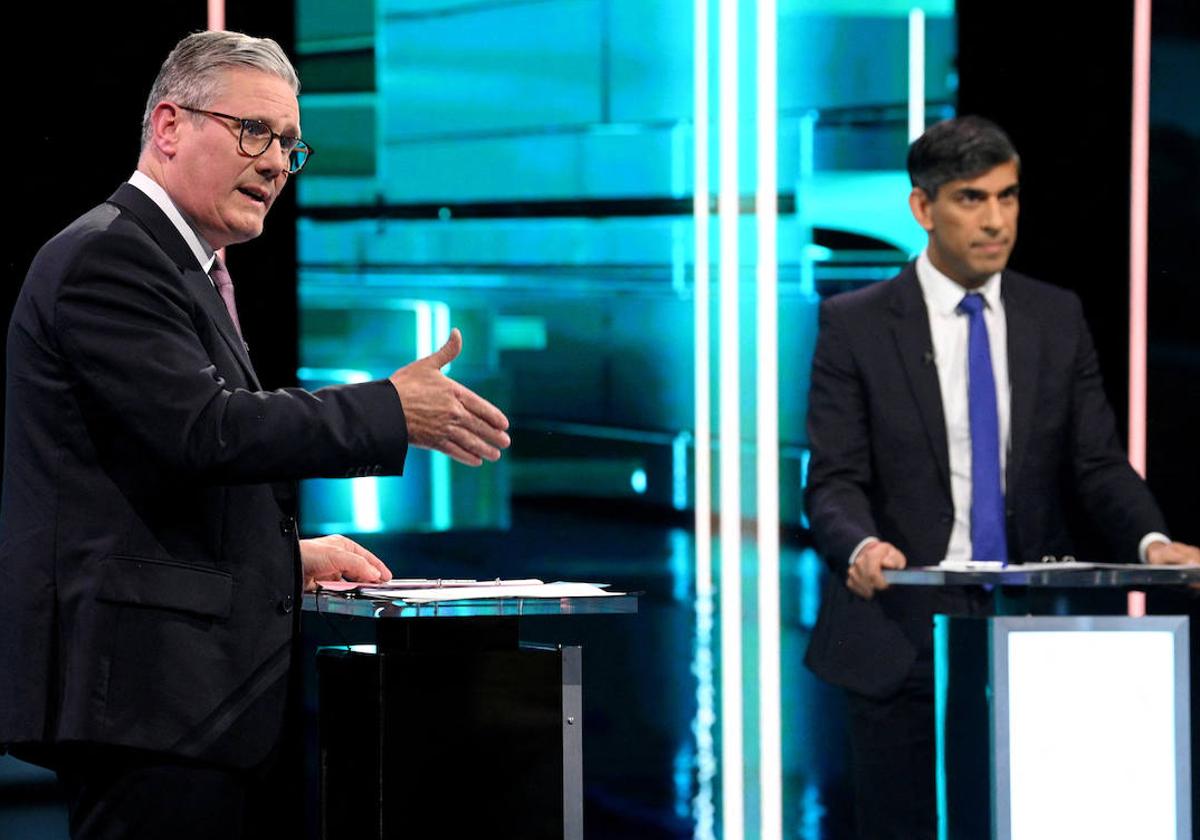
(224, 284)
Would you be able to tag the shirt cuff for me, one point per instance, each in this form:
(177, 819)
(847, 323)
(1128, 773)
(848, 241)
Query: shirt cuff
(1147, 541)
(867, 541)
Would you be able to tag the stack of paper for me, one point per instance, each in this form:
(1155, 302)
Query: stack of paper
(422, 590)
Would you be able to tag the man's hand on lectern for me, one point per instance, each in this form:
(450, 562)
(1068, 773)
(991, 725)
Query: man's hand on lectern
(1172, 554)
(339, 558)
(866, 572)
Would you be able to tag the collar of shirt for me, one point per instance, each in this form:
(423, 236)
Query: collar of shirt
(204, 254)
(943, 295)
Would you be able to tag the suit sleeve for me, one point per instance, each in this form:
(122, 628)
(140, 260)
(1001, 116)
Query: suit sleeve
(1116, 499)
(125, 327)
(840, 470)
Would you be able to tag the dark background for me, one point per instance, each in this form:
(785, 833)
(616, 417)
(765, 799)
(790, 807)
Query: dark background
(1061, 84)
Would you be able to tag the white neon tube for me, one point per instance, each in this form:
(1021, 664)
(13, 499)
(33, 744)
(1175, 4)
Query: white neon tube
(706, 763)
(700, 219)
(916, 74)
(770, 731)
(730, 439)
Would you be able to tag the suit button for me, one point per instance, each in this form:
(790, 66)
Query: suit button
(286, 604)
(286, 526)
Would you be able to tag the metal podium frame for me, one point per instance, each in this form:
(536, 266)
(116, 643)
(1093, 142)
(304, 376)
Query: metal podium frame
(970, 656)
(447, 723)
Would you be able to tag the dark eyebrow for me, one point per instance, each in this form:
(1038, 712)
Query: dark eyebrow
(978, 194)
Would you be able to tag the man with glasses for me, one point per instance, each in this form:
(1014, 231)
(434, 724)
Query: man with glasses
(148, 550)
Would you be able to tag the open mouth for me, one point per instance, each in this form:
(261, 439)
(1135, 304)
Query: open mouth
(261, 198)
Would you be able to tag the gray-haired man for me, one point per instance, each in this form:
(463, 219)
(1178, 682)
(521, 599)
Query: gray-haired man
(147, 515)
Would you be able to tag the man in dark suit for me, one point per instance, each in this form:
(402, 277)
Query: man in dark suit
(956, 413)
(148, 549)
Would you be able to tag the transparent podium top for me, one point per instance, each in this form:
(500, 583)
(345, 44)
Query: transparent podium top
(1063, 575)
(397, 607)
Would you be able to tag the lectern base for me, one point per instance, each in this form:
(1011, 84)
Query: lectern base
(426, 743)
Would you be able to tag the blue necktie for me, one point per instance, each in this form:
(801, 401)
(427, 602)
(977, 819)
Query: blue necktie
(988, 540)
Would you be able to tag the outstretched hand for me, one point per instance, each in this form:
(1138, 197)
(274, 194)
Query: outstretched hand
(445, 416)
(338, 558)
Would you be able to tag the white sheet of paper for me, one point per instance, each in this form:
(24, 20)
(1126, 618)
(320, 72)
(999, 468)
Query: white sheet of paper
(513, 589)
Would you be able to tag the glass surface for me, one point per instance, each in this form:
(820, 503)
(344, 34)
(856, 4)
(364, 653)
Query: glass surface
(399, 608)
(1098, 578)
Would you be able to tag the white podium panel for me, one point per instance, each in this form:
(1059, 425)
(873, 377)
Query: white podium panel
(1090, 728)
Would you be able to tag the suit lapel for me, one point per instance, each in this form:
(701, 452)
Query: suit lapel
(1024, 350)
(132, 200)
(914, 343)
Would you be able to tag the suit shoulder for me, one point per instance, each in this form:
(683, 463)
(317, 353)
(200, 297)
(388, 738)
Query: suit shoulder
(105, 235)
(1038, 293)
(871, 297)
(868, 304)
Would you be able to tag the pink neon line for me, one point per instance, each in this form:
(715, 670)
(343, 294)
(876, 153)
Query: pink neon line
(1139, 207)
(216, 14)
(1138, 234)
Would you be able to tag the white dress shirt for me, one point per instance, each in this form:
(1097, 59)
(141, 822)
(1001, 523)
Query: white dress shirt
(949, 330)
(204, 254)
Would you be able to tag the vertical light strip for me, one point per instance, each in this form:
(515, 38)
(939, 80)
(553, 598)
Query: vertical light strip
(807, 137)
(703, 665)
(1138, 245)
(916, 74)
(364, 496)
(441, 509)
(700, 270)
(730, 432)
(770, 733)
(216, 14)
(1139, 206)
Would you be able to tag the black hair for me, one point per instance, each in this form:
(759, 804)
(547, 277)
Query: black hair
(951, 150)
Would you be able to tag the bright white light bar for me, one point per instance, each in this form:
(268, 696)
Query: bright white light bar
(702, 666)
(700, 269)
(364, 496)
(770, 733)
(916, 74)
(730, 437)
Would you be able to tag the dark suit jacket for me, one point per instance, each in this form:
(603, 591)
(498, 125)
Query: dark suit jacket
(148, 554)
(880, 462)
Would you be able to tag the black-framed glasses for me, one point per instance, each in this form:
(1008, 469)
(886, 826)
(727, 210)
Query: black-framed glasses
(255, 138)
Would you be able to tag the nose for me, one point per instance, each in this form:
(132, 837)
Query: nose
(273, 161)
(993, 217)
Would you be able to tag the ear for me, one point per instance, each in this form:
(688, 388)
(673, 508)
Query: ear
(165, 124)
(921, 205)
